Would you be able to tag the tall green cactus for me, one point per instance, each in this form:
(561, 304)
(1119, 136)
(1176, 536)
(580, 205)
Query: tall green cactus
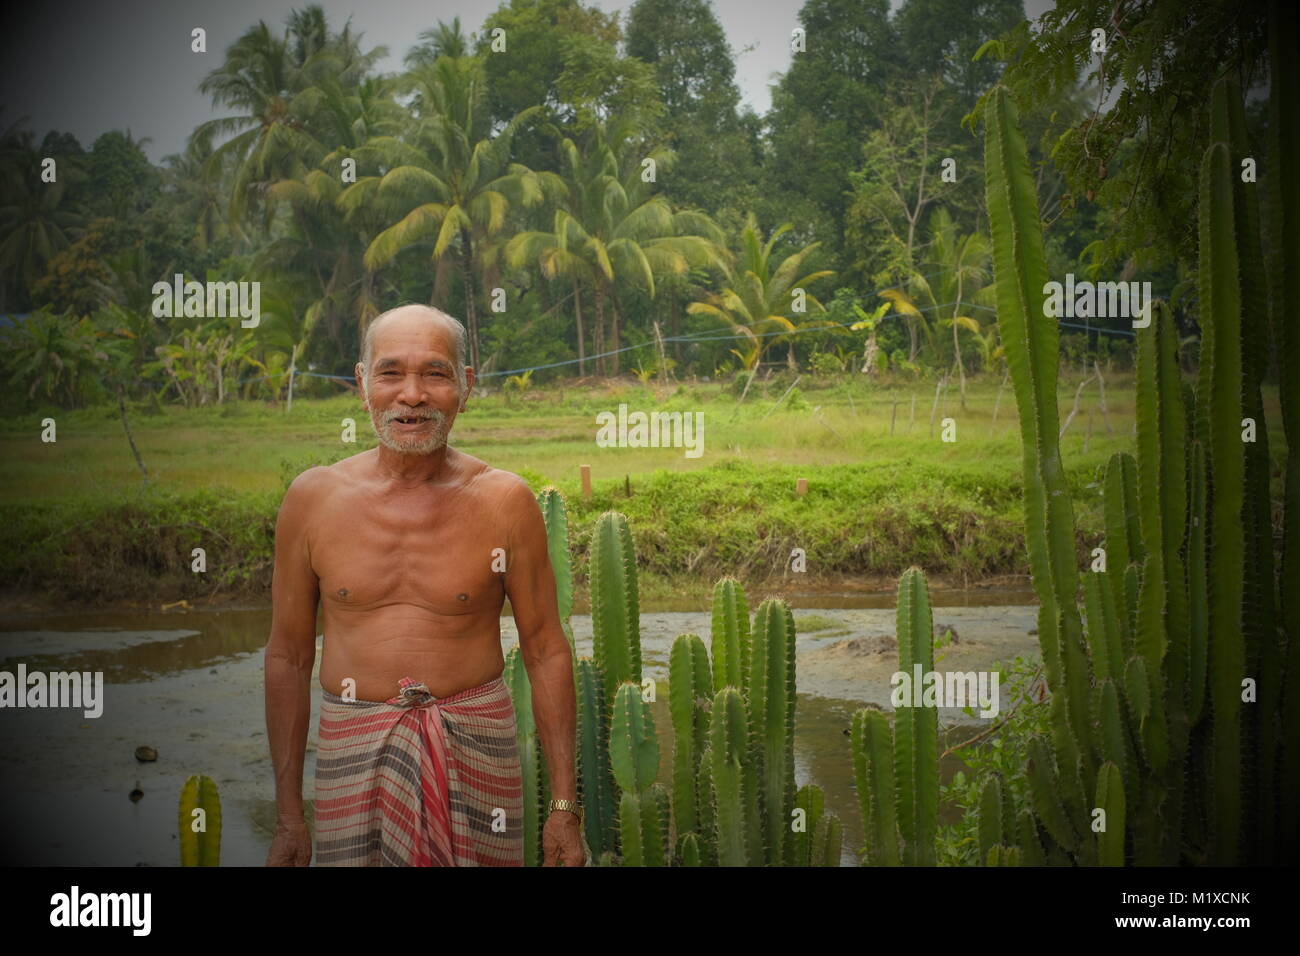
(1198, 585)
(200, 833)
(595, 778)
(707, 806)
(1032, 347)
(873, 772)
(771, 703)
(810, 801)
(1110, 799)
(1283, 182)
(615, 612)
(916, 728)
(729, 750)
(1189, 538)
(530, 763)
(730, 635)
(1221, 308)
(827, 841)
(1123, 535)
(555, 515)
(989, 820)
(634, 758)
(689, 689)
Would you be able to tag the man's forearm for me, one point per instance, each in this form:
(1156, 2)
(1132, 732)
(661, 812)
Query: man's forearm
(555, 711)
(288, 711)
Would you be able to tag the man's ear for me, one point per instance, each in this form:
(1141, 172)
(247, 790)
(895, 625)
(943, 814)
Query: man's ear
(359, 372)
(469, 386)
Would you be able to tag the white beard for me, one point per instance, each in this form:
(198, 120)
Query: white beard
(434, 439)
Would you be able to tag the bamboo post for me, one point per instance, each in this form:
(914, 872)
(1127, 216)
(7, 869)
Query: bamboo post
(912, 421)
(993, 426)
(935, 406)
(1073, 410)
(797, 380)
(801, 487)
(893, 414)
(1101, 388)
(585, 471)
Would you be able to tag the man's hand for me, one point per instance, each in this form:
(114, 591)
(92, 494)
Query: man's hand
(291, 845)
(562, 843)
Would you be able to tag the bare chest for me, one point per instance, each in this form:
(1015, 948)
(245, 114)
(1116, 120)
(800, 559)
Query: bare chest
(443, 553)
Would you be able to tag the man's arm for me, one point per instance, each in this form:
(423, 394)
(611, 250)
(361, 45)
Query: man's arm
(290, 657)
(530, 585)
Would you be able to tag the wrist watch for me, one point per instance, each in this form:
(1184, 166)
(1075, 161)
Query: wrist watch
(572, 806)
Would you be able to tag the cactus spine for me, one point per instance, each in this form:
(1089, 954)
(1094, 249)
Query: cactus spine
(200, 834)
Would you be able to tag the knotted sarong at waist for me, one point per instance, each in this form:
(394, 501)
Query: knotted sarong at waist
(418, 780)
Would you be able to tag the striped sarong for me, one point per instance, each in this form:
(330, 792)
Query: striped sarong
(419, 781)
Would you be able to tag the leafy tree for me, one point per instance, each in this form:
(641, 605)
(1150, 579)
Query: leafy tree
(718, 152)
(760, 296)
(121, 180)
(953, 273)
(528, 73)
(37, 219)
(51, 357)
(829, 99)
(898, 183)
(1136, 152)
(614, 233)
(274, 84)
(941, 37)
(453, 184)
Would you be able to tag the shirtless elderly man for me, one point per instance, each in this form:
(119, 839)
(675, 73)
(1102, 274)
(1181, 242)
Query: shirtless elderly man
(417, 763)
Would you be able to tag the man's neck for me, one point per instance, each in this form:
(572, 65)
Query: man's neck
(406, 469)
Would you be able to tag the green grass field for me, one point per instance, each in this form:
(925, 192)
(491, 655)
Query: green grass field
(885, 491)
(546, 434)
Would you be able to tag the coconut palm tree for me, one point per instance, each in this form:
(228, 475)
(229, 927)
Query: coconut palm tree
(761, 297)
(610, 232)
(446, 39)
(37, 221)
(51, 356)
(955, 277)
(454, 183)
(194, 192)
(274, 84)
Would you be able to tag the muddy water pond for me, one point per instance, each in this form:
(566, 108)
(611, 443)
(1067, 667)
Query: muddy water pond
(189, 685)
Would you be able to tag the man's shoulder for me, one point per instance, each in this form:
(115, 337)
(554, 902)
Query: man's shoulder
(321, 479)
(492, 482)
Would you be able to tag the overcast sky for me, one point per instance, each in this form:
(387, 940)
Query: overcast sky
(126, 64)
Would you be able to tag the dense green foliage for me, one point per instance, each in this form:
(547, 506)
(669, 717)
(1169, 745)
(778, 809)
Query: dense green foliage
(481, 177)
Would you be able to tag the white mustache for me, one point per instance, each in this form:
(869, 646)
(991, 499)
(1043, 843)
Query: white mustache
(393, 415)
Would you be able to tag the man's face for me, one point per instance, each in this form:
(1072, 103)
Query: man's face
(410, 388)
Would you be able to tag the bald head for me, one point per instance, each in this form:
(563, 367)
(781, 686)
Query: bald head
(416, 317)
